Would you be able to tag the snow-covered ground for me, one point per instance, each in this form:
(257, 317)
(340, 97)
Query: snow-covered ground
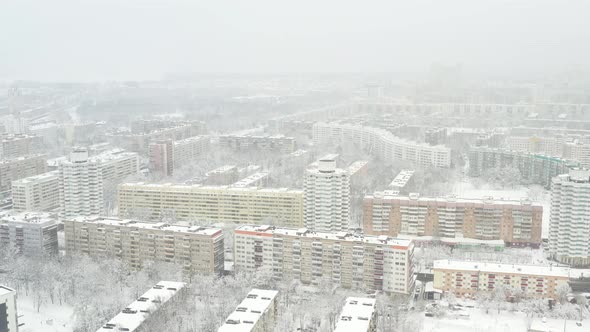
(467, 189)
(478, 321)
(51, 318)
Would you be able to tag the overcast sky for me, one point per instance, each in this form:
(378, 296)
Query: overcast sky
(145, 39)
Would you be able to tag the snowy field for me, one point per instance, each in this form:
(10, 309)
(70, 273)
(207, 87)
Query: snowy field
(478, 321)
(50, 318)
(467, 189)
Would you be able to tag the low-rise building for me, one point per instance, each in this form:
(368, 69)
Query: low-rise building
(358, 315)
(8, 313)
(517, 223)
(402, 180)
(196, 248)
(36, 193)
(213, 203)
(148, 312)
(352, 261)
(256, 313)
(29, 233)
(467, 278)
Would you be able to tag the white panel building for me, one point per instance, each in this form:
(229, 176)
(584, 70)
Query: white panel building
(327, 197)
(81, 186)
(29, 233)
(569, 226)
(36, 193)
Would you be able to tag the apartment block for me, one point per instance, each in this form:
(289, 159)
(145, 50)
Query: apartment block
(569, 230)
(327, 197)
(223, 175)
(12, 146)
(29, 233)
(196, 248)
(518, 223)
(213, 203)
(116, 164)
(274, 143)
(464, 278)
(36, 193)
(161, 157)
(535, 168)
(577, 151)
(358, 314)
(382, 143)
(148, 311)
(80, 186)
(256, 313)
(352, 261)
(551, 145)
(189, 149)
(20, 167)
(402, 180)
(8, 312)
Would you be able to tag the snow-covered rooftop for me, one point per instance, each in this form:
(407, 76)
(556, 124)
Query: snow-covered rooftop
(36, 178)
(265, 230)
(131, 318)
(249, 311)
(415, 197)
(533, 270)
(356, 315)
(5, 290)
(201, 230)
(38, 218)
(250, 180)
(199, 187)
(402, 178)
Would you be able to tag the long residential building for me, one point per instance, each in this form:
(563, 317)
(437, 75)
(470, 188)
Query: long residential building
(148, 312)
(256, 313)
(20, 167)
(248, 205)
(358, 314)
(274, 143)
(569, 227)
(8, 312)
(535, 168)
(518, 223)
(382, 143)
(352, 261)
(12, 146)
(467, 278)
(36, 193)
(29, 233)
(196, 248)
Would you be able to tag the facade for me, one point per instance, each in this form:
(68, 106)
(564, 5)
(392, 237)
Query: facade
(149, 131)
(517, 223)
(467, 278)
(535, 168)
(196, 248)
(352, 261)
(213, 203)
(36, 193)
(162, 157)
(83, 179)
(30, 233)
(148, 311)
(383, 144)
(20, 167)
(256, 313)
(166, 155)
(8, 313)
(327, 197)
(578, 151)
(358, 314)
(274, 143)
(80, 186)
(569, 226)
(189, 149)
(18, 145)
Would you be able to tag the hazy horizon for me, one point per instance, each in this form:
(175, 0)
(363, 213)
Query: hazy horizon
(68, 40)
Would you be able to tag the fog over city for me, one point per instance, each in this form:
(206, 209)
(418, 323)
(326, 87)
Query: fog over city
(312, 166)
